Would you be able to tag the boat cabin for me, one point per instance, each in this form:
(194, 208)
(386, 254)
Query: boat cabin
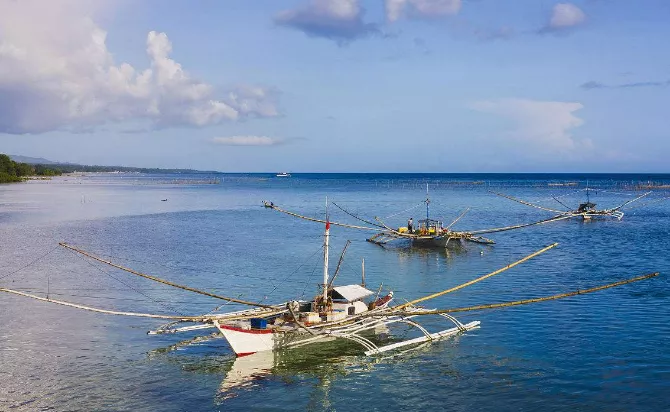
(349, 299)
(429, 227)
(586, 207)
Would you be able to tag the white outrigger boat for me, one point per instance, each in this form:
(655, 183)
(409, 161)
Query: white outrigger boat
(585, 210)
(337, 312)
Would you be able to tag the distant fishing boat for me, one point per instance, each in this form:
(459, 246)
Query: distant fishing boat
(585, 210)
(283, 174)
(428, 233)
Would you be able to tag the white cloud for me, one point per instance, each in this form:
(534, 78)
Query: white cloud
(339, 20)
(396, 9)
(543, 125)
(248, 141)
(564, 16)
(57, 73)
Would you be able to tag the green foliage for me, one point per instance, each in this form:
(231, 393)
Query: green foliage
(7, 178)
(7, 165)
(11, 171)
(23, 169)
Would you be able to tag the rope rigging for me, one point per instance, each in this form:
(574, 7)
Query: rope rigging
(32, 262)
(131, 287)
(356, 217)
(155, 279)
(406, 210)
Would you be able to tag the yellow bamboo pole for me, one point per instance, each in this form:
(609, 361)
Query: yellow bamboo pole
(542, 299)
(159, 280)
(479, 279)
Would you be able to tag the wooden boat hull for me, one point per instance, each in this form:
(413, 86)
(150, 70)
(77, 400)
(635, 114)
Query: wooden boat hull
(248, 341)
(438, 242)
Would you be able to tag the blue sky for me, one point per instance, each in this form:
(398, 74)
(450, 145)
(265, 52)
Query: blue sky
(339, 85)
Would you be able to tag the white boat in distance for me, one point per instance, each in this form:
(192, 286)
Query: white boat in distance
(283, 174)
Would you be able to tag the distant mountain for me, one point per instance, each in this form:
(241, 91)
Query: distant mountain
(31, 160)
(74, 167)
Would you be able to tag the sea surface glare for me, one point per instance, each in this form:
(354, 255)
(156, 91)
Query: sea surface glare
(606, 351)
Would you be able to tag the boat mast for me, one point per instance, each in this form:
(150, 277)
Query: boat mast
(325, 256)
(427, 207)
(363, 273)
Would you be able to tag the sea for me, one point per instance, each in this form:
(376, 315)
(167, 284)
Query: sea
(604, 351)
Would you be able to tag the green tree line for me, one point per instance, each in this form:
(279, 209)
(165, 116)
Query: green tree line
(11, 171)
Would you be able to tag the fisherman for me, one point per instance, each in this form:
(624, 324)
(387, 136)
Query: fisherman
(410, 223)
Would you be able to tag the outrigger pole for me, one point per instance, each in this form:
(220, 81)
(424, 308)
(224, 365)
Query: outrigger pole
(165, 282)
(631, 201)
(542, 299)
(479, 279)
(271, 205)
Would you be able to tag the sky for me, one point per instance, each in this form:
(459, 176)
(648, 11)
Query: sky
(339, 85)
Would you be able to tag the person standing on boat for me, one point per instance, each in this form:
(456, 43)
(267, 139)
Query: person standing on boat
(410, 223)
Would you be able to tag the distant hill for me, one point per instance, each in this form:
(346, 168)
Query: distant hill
(31, 160)
(73, 167)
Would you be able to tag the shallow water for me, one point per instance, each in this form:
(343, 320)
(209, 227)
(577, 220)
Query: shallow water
(604, 351)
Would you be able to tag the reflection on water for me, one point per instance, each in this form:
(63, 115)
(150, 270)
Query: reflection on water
(594, 352)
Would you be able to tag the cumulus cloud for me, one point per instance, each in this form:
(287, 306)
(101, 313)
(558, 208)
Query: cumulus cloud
(564, 16)
(545, 125)
(339, 20)
(248, 141)
(396, 9)
(57, 73)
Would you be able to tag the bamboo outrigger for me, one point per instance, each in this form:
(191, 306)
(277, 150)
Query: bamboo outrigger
(429, 233)
(336, 312)
(585, 210)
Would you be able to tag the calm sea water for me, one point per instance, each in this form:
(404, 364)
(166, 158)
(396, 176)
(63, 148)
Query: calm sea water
(601, 352)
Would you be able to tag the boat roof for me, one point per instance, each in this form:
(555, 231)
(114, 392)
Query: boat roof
(351, 293)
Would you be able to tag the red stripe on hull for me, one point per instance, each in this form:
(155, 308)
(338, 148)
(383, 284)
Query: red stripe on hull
(251, 331)
(239, 355)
